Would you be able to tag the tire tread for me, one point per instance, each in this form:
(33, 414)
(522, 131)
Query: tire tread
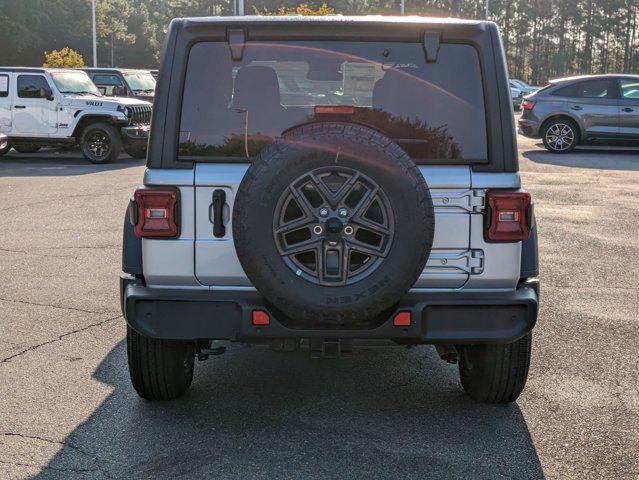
(495, 373)
(159, 369)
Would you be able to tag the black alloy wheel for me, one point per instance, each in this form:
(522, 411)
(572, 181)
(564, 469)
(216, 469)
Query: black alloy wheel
(333, 226)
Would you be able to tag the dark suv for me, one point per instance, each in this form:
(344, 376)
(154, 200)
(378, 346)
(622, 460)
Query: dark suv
(123, 82)
(585, 109)
(315, 183)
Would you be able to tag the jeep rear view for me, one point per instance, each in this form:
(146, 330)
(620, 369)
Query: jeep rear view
(320, 182)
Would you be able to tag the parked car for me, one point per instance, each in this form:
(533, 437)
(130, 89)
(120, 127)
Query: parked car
(584, 109)
(48, 106)
(123, 82)
(523, 86)
(517, 96)
(321, 219)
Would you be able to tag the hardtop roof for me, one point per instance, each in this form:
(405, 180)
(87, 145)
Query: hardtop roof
(334, 19)
(114, 69)
(36, 69)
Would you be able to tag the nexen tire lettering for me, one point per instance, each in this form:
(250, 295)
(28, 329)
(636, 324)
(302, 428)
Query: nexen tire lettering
(358, 296)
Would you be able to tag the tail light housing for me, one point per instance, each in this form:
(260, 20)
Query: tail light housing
(509, 216)
(528, 105)
(154, 212)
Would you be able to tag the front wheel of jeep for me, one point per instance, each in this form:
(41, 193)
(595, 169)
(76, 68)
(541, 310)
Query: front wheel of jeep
(495, 373)
(100, 142)
(159, 369)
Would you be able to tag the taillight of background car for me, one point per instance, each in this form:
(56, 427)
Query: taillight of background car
(528, 105)
(154, 212)
(509, 216)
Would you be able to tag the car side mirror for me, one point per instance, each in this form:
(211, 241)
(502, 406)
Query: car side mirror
(46, 93)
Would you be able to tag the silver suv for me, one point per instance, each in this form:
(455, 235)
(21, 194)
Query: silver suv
(315, 183)
(586, 109)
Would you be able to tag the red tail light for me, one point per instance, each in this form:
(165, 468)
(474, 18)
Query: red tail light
(154, 212)
(528, 105)
(334, 110)
(510, 216)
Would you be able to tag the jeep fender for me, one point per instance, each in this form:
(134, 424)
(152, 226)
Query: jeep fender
(85, 117)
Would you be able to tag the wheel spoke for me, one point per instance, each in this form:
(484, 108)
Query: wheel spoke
(328, 197)
(303, 202)
(304, 246)
(358, 246)
(344, 191)
(330, 254)
(295, 224)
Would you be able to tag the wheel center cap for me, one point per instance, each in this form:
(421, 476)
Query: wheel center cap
(333, 229)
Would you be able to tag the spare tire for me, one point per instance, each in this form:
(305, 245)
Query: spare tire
(333, 224)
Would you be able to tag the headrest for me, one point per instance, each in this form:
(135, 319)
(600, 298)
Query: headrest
(256, 85)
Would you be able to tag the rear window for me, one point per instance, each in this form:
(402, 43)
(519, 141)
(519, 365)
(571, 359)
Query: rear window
(589, 89)
(435, 111)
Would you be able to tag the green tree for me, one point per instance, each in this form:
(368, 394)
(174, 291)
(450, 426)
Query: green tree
(63, 58)
(305, 9)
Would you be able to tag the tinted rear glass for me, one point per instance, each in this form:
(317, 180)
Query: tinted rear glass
(589, 89)
(435, 111)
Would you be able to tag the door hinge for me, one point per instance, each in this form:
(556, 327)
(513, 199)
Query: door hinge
(431, 45)
(473, 201)
(236, 41)
(470, 261)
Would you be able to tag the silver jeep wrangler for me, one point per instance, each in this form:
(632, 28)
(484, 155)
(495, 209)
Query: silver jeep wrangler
(318, 182)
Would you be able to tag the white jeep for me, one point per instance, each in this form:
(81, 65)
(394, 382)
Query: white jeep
(47, 107)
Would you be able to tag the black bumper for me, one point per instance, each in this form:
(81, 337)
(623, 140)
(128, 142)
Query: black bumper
(455, 318)
(135, 135)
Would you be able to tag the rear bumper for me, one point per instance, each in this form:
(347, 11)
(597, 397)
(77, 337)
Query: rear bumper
(528, 127)
(454, 318)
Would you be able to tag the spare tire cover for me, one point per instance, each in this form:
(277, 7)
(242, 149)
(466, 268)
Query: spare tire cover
(333, 223)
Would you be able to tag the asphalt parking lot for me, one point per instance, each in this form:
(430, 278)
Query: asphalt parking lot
(68, 410)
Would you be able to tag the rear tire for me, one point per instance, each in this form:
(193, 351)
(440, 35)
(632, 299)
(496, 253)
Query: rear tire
(5, 150)
(159, 369)
(495, 373)
(560, 135)
(100, 143)
(27, 148)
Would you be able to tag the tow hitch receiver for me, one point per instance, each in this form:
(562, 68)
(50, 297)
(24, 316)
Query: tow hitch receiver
(330, 347)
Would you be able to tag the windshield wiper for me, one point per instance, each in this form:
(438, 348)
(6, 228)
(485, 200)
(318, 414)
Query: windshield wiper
(89, 93)
(82, 92)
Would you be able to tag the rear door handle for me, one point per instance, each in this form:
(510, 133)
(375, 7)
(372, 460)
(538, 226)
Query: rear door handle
(219, 199)
(19, 106)
(576, 107)
(628, 109)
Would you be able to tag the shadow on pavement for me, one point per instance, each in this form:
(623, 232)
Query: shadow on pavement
(610, 158)
(253, 413)
(58, 164)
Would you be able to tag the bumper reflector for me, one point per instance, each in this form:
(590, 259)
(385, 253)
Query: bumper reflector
(402, 319)
(260, 317)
